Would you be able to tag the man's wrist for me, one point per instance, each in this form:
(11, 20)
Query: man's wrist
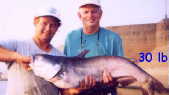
(15, 57)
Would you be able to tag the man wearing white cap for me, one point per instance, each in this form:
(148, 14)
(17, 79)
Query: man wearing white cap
(99, 41)
(16, 54)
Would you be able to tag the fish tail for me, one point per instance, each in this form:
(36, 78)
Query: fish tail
(158, 86)
(151, 85)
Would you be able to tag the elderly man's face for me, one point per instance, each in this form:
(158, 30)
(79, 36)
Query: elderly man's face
(46, 28)
(90, 15)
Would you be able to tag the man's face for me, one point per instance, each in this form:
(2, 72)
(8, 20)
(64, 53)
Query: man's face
(90, 15)
(46, 28)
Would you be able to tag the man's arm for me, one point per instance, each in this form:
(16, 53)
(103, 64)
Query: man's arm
(120, 51)
(7, 55)
(116, 46)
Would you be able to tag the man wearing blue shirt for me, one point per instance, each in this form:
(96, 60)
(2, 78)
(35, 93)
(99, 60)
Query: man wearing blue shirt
(99, 41)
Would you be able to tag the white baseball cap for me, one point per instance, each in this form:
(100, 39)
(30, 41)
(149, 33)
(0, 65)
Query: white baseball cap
(47, 11)
(85, 2)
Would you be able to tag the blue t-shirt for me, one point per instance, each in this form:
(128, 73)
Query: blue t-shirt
(102, 43)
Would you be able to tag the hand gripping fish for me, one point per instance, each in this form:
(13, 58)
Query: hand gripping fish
(70, 70)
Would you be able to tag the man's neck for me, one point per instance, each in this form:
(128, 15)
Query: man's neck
(90, 30)
(45, 46)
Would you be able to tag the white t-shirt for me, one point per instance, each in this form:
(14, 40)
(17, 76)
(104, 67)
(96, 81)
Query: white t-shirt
(22, 82)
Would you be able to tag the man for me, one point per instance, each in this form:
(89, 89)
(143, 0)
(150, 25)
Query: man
(16, 54)
(99, 41)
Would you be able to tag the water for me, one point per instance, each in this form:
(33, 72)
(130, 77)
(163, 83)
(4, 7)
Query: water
(3, 87)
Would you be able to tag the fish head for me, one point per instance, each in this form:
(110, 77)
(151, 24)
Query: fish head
(45, 66)
(44, 58)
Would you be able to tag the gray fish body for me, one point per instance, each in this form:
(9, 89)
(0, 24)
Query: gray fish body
(74, 69)
(71, 70)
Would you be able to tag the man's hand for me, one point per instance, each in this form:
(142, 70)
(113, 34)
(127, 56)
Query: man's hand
(23, 60)
(107, 79)
(88, 82)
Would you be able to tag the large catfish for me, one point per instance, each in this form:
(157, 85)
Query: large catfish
(70, 70)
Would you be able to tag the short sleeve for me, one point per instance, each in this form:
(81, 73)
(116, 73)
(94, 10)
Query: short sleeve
(9, 44)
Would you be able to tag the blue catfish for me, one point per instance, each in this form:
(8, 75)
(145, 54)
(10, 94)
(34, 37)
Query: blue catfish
(68, 71)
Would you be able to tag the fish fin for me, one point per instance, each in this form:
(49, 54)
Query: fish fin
(83, 53)
(54, 79)
(125, 80)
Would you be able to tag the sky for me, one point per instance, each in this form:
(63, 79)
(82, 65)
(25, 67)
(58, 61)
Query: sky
(16, 17)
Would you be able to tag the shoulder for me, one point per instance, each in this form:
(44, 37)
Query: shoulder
(110, 33)
(6, 42)
(12, 44)
(75, 32)
(24, 41)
